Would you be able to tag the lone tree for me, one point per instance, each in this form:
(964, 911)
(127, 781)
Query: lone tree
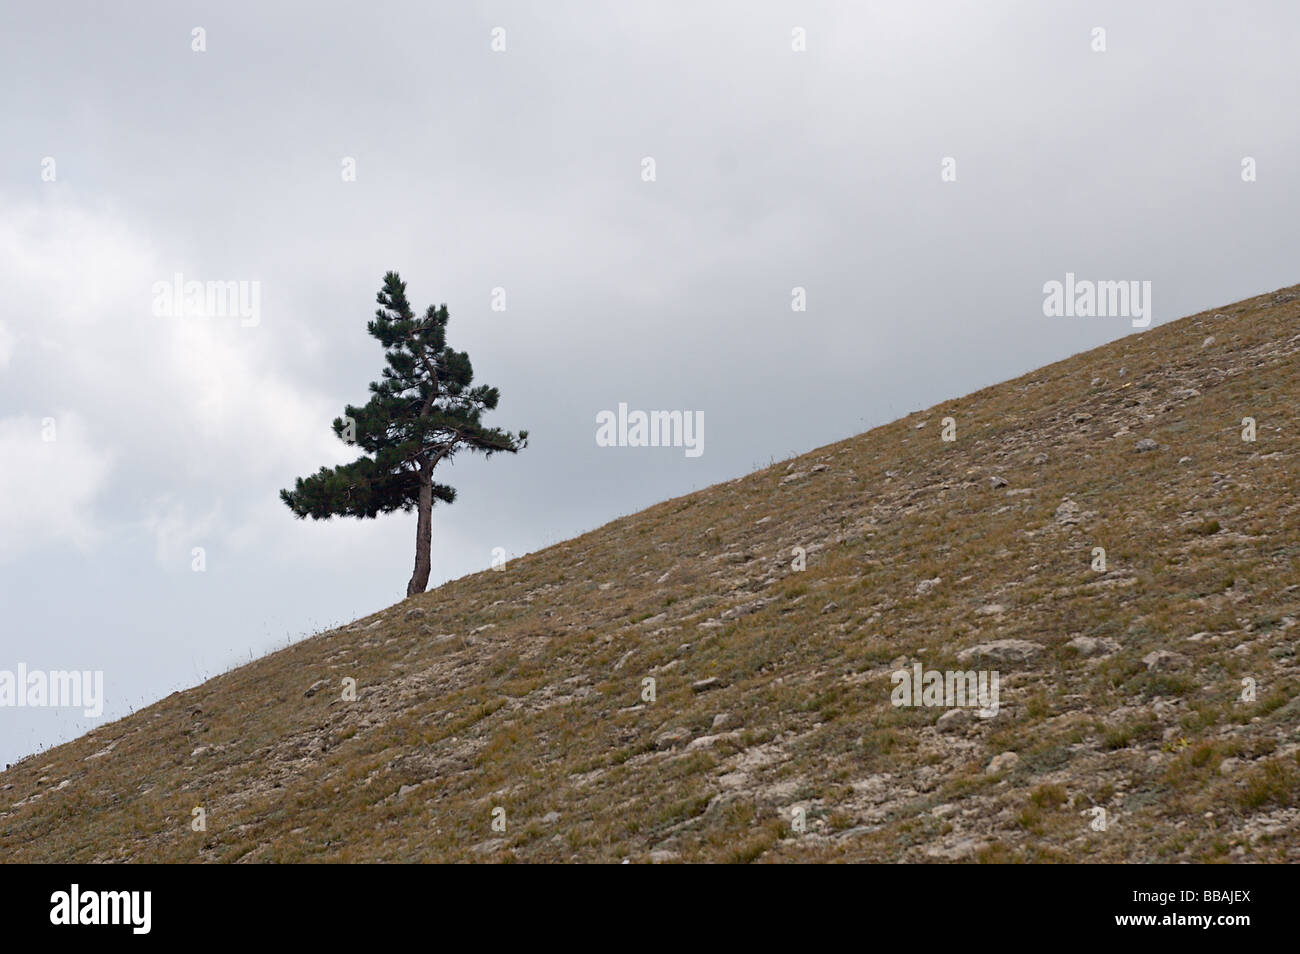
(422, 413)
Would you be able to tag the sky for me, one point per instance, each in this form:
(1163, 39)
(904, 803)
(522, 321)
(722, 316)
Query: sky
(795, 220)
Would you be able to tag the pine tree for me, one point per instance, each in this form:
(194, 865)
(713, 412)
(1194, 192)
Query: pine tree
(421, 413)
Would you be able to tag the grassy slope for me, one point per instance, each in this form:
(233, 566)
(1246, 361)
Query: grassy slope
(540, 713)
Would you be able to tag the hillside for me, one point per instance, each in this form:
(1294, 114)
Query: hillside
(521, 689)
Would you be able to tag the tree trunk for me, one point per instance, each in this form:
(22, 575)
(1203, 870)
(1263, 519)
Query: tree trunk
(423, 533)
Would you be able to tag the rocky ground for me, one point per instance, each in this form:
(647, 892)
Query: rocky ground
(1147, 706)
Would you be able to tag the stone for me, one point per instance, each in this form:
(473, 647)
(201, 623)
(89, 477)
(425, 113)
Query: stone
(415, 613)
(1093, 645)
(672, 738)
(1001, 651)
(1146, 444)
(708, 741)
(954, 720)
(925, 586)
(1163, 660)
(704, 685)
(958, 850)
(1002, 763)
(1067, 512)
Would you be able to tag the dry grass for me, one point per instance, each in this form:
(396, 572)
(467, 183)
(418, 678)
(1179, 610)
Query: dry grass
(542, 713)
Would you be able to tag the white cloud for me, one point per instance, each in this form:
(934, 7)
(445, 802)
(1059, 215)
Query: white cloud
(47, 487)
(194, 409)
(176, 531)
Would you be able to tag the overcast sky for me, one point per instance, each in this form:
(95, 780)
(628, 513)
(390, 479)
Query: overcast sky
(524, 169)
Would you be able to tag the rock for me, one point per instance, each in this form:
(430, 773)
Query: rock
(744, 609)
(1093, 645)
(1163, 660)
(1229, 765)
(954, 720)
(406, 790)
(1184, 460)
(830, 607)
(550, 818)
(995, 482)
(956, 851)
(1146, 444)
(925, 586)
(101, 753)
(316, 687)
(725, 720)
(719, 804)
(704, 685)
(819, 468)
(663, 857)
(672, 738)
(708, 741)
(1001, 651)
(856, 830)
(1067, 512)
(1040, 459)
(992, 609)
(1002, 763)
(797, 475)
(415, 613)
(1207, 342)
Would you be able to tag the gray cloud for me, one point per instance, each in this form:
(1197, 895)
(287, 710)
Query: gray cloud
(522, 170)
